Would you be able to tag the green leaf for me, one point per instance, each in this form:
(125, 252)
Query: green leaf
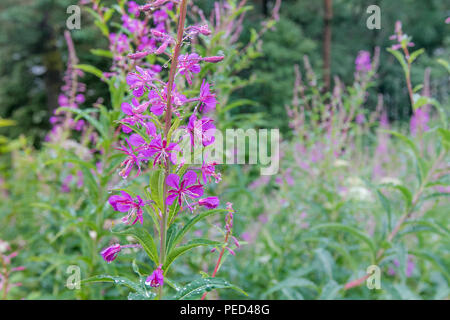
(108, 14)
(290, 282)
(420, 102)
(348, 229)
(115, 279)
(326, 261)
(407, 195)
(330, 291)
(139, 296)
(405, 140)
(435, 260)
(238, 103)
(444, 63)
(90, 69)
(144, 238)
(117, 91)
(100, 128)
(445, 134)
(157, 187)
(387, 207)
(196, 288)
(178, 237)
(413, 56)
(400, 59)
(86, 168)
(103, 27)
(430, 225)
(7, 123)
(176, 252)
(102, 53)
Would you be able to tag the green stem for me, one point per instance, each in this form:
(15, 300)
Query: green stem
(168, 120)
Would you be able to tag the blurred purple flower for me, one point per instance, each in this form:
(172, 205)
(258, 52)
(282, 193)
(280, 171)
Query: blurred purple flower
(130, 161)
(419, 121)
(363, 62)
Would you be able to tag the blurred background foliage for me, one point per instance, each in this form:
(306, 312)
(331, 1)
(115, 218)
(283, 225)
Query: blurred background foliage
(33, 54)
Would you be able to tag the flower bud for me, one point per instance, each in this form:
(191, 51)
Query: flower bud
(209, 202)
(214, 59)
(138, 55)
(110, 253)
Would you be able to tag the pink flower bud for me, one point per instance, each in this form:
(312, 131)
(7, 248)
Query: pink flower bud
(209, 202)
(162, 48)
(231, 251)
(158, 34)
(138, 55)
(110, 253)
(213, 59)
(204, 29)
(142, 107)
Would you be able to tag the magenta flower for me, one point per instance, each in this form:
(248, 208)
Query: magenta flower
(63, 101)
(158, 104)
(209, 202)
(400, 38)
(125, 203)
(362, 61)
(160, 16)
(66, 184)
(161, 150)
(134, 113)
(119, 43)
(202, 29)
(140, 81)
(419, 121)
(188, 188)
(130, 161)
(133, 8)
(159, 100)
(360, 118)
(208, 171)
(189, 64)
(207, 98)
(203, 129)
(110, 253)
(156, 279)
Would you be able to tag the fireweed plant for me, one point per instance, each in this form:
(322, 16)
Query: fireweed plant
(157, 109)
(7, 270)
(66, 184)
(354, 190)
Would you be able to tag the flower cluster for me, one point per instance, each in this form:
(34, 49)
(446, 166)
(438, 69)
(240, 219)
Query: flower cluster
(153, 110)
(71, 96)
(362, 62)
(6, 269)
(403, 41)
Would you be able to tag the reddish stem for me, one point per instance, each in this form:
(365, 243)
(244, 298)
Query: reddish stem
(218, 263)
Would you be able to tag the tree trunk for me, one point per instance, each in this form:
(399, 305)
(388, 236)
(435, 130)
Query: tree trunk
(328, 16)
